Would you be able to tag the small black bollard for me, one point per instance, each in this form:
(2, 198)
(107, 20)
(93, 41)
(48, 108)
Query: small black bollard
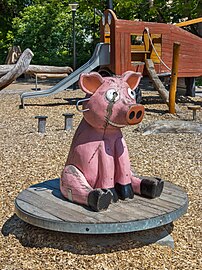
(68, 120)
(41, 123)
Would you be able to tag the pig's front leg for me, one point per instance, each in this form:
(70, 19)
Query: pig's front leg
(122, 178)
(75, 188)
(127, 182)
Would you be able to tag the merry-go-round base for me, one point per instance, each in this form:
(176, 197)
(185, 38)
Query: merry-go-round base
(44, 206)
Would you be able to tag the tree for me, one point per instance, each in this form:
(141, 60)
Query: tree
(158, 10)
(46, 26)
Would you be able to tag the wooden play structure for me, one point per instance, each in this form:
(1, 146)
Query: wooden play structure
(137, 46)
(132, 42)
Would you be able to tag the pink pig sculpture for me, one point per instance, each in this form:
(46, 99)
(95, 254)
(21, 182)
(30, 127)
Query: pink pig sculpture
(97, 171)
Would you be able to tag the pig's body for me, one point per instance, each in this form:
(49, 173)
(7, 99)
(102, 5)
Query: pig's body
(98, 167)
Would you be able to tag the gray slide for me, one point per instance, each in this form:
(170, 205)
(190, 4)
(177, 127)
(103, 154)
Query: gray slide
(100, 57)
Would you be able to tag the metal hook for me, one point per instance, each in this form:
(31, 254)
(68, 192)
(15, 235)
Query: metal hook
(78, 102)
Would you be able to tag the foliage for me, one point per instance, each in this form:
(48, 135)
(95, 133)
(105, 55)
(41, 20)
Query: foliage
(43, 29)
(46, 26)
(158, 10)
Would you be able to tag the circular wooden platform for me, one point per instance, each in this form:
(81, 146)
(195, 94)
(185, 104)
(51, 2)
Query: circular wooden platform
(43, 205)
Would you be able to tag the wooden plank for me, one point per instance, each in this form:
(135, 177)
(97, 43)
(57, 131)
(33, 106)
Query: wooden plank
(170, 192)
(83, 209)
(136, 210)
(189, 22)
(159, 204)
(170, 199)
(33, 210)
(185, 36)
(113, 215)
(138, 27)
(60, 201)
(56, 209)
(133, 51)
(188, 65)
(122, 50)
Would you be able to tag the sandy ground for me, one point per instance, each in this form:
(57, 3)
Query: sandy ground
(28, 157)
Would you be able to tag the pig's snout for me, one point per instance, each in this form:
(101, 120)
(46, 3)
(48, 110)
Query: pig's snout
(135, 114)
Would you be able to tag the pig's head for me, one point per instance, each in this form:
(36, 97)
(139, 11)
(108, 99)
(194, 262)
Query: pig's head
(112, 100)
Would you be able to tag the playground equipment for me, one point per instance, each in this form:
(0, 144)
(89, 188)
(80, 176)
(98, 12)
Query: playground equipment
(126, 45)
(97, 175)
(100, 57)
(97, 170)
(132, 42)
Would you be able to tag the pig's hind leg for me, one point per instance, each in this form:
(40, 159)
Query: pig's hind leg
(75, 188)
(150, 187)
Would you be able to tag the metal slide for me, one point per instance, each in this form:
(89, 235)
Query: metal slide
(101, 56)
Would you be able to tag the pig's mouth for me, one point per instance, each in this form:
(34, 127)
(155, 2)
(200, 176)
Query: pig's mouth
(114, 124)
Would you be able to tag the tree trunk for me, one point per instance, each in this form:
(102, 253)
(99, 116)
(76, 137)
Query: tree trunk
(17, 69)
(33, 69)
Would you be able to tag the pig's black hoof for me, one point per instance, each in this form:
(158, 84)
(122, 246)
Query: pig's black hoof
(151, 187)
(99, 199)
(115, 197)
(124, 191)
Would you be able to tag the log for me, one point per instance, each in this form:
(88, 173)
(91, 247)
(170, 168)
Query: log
(51, 75)
(32, 69)
(157, 83)
(17, 69)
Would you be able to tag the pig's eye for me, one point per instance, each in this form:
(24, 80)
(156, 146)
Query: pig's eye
(132, 93)
(112, 95)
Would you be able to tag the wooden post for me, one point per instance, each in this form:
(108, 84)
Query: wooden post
(173, 85)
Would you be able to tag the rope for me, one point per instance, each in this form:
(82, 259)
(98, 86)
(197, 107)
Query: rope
(147, 31)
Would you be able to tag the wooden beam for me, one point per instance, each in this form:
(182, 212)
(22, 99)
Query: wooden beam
(181, 24)
(18, 69)
(51, 75)
(157, 83)
(173, 84)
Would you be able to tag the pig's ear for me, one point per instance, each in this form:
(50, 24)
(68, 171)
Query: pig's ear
(90, 82)
(132, 78)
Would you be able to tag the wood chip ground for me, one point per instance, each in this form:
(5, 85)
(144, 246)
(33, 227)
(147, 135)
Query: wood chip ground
(27, 157)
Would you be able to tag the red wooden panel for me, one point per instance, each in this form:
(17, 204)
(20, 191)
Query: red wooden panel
(190, 56)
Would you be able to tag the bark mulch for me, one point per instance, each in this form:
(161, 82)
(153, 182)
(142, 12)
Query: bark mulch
(27, 157)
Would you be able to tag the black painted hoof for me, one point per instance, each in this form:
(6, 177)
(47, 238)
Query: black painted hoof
(124, 191)
(115, 197)
(151, 187)
(99, 199)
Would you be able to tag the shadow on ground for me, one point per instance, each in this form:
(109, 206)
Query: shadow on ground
(31, 236)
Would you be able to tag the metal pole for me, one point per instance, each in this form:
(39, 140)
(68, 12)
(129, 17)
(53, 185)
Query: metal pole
(110, 4)
(74, 44)
(94, 28)
(74, 39)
